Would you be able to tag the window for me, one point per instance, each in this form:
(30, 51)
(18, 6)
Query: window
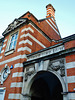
(1, 44)
(13, 41)
(11, 45)
(2, 93)
(0, 48)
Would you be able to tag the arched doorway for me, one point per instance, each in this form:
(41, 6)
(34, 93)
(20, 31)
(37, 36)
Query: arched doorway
(46, 86)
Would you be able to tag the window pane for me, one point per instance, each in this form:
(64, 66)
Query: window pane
(0, 48)
(12, 38)
(16, 36)
(1, 45)
(11, 46)
(2, 93)
(1, 96)
(15, 43)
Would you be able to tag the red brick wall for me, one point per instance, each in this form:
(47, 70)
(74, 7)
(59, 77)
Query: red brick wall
(70, 60)
(34, 47)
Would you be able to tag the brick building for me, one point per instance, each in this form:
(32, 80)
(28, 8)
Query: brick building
(35, 62)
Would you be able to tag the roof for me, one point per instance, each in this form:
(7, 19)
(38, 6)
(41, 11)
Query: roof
(69, 38)
(17, 22)
(28, 15)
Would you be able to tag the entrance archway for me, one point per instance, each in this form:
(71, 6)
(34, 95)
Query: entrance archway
(46, 86)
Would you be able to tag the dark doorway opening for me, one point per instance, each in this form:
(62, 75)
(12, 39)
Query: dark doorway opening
(46, 86)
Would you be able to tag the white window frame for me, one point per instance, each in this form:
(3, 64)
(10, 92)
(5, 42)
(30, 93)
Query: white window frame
(13, 40)
(9, 51)
(0, 47)
(2, 91)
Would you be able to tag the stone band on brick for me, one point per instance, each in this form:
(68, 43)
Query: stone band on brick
(14, 96)
(16, 84)
(18, 74)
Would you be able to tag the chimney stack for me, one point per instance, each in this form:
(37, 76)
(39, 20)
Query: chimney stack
(50, 11)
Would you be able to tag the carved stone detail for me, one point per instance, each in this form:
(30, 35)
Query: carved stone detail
(56, 65)
(15, 24)
(29, 71)
(4, 73)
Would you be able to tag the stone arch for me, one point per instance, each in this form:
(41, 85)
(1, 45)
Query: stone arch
(31, 80)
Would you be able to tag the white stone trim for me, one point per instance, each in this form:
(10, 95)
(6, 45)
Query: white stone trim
(51, 10)
(0, 57)
(23, 49)
(53, 23)
(26, 29)
(25, 41)
(13, 59)
(9, 52)
(4, 45)
(2, 88)
(46, 53)
(5, 40)
(16, 84)
(70, 65)
(18, 65)
(52, 27)
(71, 96)
(2, 51)
(18, 74)
(51, 13)
(14, 96)
(28, 34)
(35, 28)
(71, 79)
(2, 93)
(24, 35)
(53, 19)
(39, 31)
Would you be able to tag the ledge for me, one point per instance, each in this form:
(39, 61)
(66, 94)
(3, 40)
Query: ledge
(62, 53)
(2, 88)
(9, 52)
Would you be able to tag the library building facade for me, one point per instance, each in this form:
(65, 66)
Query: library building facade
(35, 62)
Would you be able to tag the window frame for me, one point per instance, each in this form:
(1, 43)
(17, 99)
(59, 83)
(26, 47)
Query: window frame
(9, 51)
(1, 45)
(0, 48)
(13, 40)
(2, 91)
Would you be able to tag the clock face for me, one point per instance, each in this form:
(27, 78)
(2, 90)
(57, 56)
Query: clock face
(5, 74)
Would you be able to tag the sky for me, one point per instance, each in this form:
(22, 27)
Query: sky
(64, 14)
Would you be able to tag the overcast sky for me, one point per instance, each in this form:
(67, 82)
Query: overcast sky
(64, 15)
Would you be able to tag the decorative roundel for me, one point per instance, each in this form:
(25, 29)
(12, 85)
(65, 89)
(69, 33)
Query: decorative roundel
(4, 73)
